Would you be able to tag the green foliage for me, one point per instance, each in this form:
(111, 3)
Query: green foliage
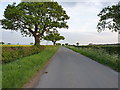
(109, 18)
(66, 44)
(58, 44)
(77, 43)
(31, 43)
(100, 55)
(18, 73)
(111, 49)
(2, 43)
(0, 76)
(34, 18)
(10, 54)
(54, 36)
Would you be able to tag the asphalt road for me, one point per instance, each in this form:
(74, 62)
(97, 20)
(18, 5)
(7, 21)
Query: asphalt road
(69, 69)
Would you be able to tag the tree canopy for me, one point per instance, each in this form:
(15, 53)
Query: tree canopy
(2, 43)
(34, 18)
(109, 18)
(54, 37)
(77, 43)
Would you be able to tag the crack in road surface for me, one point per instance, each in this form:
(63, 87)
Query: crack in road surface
(69, 69)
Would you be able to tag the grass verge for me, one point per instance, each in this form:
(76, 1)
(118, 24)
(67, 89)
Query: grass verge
(99, 55)
(19, 72)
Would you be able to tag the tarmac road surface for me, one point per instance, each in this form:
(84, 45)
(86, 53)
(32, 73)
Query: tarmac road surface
(69, 69)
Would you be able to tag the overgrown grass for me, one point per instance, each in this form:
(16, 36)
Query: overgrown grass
(0, 76)
(19, 72)
(10, 54)
(99, 55)
(112, 49)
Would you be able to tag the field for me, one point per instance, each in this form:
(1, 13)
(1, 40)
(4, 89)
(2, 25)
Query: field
(107, 55)
(17, 72)
(15, 45)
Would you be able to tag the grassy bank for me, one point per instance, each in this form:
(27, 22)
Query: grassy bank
(19, 72)
(99, 55)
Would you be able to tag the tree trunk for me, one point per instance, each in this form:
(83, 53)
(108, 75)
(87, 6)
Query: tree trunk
(54, 42)
(37, 40)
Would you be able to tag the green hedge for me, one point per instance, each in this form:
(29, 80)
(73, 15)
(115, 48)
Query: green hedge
(13, 53)
(111, 49)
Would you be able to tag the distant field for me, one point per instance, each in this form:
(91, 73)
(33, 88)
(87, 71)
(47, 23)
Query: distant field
(107, 55)
(15, 45)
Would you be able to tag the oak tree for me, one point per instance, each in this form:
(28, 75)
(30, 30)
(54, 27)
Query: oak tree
(77, 43)
(109, 18)
(54, 37)
(34, 18)
(2, 43)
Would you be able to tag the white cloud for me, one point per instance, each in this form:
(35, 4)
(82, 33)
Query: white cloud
(90, 37)
(87, 0)
(82, 18)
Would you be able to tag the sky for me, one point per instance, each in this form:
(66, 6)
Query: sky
(82, 24)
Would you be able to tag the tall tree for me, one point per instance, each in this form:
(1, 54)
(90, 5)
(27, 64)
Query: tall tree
(109, 18)
(34, 18)
(77, 43)
(2, 43)
(54, 37)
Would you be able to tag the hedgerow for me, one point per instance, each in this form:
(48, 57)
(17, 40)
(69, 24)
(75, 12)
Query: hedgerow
(10, 54)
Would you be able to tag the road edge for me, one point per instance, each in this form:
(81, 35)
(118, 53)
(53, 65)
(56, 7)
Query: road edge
(36, 77)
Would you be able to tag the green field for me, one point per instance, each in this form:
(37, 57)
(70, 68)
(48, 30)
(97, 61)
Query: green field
(18, 72)
(107, 55)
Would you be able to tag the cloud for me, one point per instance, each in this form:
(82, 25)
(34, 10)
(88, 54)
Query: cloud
(87, 0)
(68, 4)
(85, 38)
(82, 17)
(10, 1)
